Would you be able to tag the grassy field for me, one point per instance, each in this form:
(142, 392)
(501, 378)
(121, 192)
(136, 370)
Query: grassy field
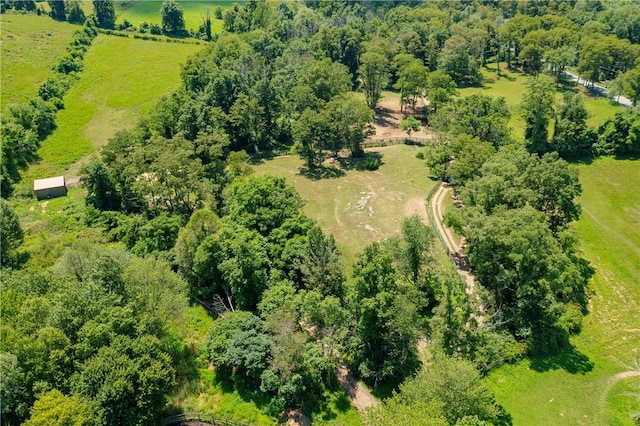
(578, 387)
(359, 207)
(43, 39)
(194, 12)
(511, 86)
(122, 80)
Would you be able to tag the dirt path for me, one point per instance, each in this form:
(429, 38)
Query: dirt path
(360, 396)
(454, 247)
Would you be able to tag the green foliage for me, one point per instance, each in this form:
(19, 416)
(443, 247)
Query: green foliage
(537, 110)
(56, 409)
(448, 391)
(172, 17)
(105, 13)
(374, 74)
(619, 135)
(410, 124)
(571, 136)
(11, 235)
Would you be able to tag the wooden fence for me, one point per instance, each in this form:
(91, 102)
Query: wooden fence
(213, 419)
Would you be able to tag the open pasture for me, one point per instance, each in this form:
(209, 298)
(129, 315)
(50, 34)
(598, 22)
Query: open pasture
(122, 80)
(512, 87)
(359, 207)
(30, 45)
(580, 387)
(149, 11)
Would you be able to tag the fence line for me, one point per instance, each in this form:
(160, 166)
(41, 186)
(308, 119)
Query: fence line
(201, 417)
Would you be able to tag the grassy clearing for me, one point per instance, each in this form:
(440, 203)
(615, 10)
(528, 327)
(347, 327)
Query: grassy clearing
(30, 45)
(576, 388)
(383, 197)
(511, 86)
(194, 11)
(121, 81)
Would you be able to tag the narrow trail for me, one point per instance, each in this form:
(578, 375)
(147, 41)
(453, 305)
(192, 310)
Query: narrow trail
(453, 248)
(360, 396)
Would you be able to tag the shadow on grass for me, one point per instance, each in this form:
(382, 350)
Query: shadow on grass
(570, 360)
(371, 160)
(321, 172)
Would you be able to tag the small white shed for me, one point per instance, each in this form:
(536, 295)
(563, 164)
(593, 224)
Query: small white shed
(50, 187)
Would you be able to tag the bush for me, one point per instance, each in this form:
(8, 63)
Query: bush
(68, 64)
(372, 163)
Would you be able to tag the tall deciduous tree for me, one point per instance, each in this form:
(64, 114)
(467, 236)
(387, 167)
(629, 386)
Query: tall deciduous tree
(105, 13)
(57, 9)
(537, 111)
(173, 17)
(11, 235)
(374, 74)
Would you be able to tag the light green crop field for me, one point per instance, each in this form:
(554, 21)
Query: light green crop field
(30, 45)
(511, 86)
(580, 387)
(360, 207)
(122, 80)
(140, 11)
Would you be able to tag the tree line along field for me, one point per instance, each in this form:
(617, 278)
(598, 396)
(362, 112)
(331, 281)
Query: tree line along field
(175, 213)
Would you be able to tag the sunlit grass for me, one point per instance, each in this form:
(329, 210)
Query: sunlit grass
(30, 46)
(609, 231)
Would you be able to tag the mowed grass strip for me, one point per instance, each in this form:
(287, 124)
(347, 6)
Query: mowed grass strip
(30, 46)
(148, 11)
(360, 207)
(559, 393)
(512, 87)
(122, 80)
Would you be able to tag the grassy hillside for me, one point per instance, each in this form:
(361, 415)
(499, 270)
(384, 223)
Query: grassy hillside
(579, 387)
(359, 207)
(149, 11)
(511, 86)
(30, 45)
(122, 79)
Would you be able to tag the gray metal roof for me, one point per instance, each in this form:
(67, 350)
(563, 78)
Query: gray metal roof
(54, 182)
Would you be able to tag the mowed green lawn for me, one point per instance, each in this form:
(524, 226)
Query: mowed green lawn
(360, 207)
(140, 11)
(30, 45)
(609, 231)
(122, 80)
(512, 87)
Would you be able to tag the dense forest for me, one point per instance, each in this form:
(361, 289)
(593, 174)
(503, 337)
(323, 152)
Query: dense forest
(96, 338)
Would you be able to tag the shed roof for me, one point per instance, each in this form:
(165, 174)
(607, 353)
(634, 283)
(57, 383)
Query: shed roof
(54, 182)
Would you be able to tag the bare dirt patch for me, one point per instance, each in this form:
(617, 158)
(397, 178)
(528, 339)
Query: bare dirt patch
(388, 118)
(360, 396)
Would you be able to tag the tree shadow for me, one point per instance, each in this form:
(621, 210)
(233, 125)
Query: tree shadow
(321, 172)
(569, 359)
(371, 160)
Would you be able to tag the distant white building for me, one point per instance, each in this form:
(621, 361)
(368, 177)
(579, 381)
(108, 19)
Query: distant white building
(50, 187)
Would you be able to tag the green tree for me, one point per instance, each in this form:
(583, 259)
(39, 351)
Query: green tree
(57, 10)
(412, 79)
(55, 409)
(455, 60)
(128, 380)
(481, 116)
(105, 13)
(173, 17)
(11, 235)
(440, 89)
(374, 74)
(75, 14)
(321, 265)
(101, 191)
(631, 84)
(619, 135)
(410, 124)
(537, 110)
(571, 136)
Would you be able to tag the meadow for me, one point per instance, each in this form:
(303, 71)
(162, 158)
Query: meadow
(30, 45)
(512, 87)
(148, 11)
(122, 80)
(578, 387)
(359, 207)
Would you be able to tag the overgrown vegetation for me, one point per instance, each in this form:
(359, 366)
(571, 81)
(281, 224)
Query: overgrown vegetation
(97, 338)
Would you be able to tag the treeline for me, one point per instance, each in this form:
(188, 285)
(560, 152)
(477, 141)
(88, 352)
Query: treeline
(97, 336)
(24, 126)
